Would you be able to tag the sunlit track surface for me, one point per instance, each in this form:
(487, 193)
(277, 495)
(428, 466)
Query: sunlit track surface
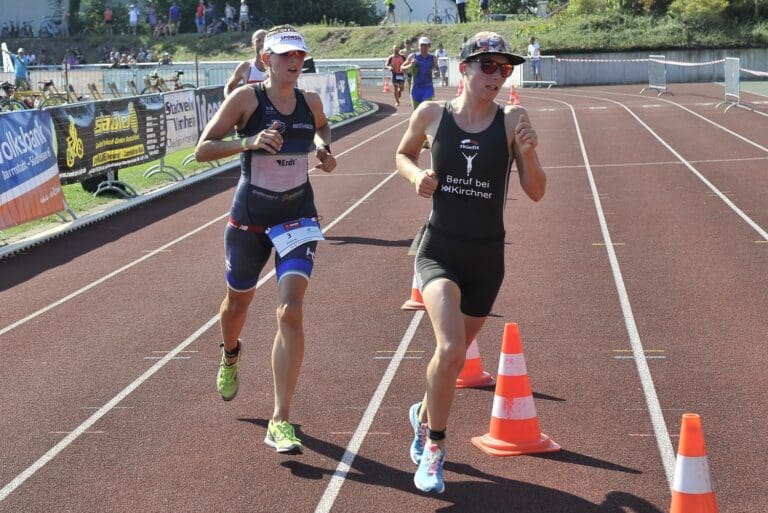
(627, 235)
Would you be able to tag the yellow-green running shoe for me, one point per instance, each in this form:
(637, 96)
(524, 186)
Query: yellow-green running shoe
(282, 437)
(226, 380)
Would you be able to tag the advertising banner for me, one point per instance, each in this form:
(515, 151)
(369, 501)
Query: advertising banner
(208, 99)
(343, 92)
(181, 119)
(29, 177)
(96, 137)
(353, 78)
(325, 86)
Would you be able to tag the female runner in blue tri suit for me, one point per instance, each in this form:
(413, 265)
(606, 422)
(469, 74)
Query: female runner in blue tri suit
(277, 126)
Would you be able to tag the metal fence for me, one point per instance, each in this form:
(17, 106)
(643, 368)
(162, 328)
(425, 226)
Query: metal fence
(657, 74)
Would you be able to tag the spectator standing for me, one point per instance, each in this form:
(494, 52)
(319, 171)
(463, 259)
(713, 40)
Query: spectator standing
(229, 15)
(389, 17)
(406, 52)
(174, 18)
(151, 16)
(108, 21)
(20, 63)
(200, 17)
(485, 10)
(133, 18)
(244, 17)
(461, 5)
(534, 52)
(251, 71)
(442, 63)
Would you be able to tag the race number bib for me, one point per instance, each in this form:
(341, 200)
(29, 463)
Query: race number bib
(399, 76)
(288, 236)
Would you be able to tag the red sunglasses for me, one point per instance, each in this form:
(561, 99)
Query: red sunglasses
(294, 53)
(489, 68)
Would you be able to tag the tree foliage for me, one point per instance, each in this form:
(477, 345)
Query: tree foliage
(700, 13)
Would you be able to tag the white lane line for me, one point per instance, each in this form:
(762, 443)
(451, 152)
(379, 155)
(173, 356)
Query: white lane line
(162, 248)
(108, 276)
(649, 389)
(90, 421)
(695, 171)
(659, 163)
(334, 485)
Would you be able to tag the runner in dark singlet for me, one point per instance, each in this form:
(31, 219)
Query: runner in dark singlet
(460, 260)
(277, 126)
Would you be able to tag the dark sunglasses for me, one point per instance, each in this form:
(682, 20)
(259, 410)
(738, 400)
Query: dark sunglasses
(490, 67)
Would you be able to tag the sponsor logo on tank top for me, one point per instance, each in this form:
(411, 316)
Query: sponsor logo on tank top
(281, 126)
(469, 148)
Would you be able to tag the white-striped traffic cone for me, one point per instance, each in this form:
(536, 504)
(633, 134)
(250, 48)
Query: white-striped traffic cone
(692, 490)
(514, 424)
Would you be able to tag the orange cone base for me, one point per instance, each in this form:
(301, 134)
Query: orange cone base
(478, 380)
(690, 503)
(494, 447)
(410, 304)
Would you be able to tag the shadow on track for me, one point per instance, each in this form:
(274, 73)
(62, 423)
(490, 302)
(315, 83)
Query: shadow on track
(493, 493)
(342, 241)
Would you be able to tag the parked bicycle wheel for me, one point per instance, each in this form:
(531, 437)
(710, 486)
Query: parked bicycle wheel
(450, 19)
(10, 105)
(434, 19)
(53, 101)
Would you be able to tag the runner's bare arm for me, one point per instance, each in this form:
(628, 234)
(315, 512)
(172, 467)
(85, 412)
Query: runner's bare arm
(523, 142)
(407, 156)
(235, 111)
(236, 78)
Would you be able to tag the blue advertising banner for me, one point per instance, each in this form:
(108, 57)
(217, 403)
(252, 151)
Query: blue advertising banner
(29, 175)
(343, 91)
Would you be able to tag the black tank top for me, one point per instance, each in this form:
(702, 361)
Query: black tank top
(473, 175)
(256, 201)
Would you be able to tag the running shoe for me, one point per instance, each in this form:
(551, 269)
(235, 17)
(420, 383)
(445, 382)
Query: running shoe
(227, 382)
(282, 437)
(429, 475)
(419, 433)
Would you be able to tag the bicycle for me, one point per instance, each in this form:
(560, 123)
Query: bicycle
(446, 18)
(15, 100)
(154, 83)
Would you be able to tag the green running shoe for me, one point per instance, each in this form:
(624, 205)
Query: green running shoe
(282, 437)
(226, 380)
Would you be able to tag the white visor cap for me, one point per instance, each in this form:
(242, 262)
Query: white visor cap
(284, 42)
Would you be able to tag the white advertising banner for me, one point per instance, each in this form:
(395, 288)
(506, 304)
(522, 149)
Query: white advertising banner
(181, 119)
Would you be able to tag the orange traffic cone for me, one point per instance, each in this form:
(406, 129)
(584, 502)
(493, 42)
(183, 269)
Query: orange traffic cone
(416, 302)
(473, 375)
(514, 424)
(692, 487)
(514, 98)
(461, 88)
(386, 86)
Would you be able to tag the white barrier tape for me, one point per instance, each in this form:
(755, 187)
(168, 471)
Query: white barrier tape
(678, 63)
(512, 365)
(513, 408)
(601, 60)
(754, 72)
(691, 475)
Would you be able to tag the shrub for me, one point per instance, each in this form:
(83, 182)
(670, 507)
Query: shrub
(700, 13)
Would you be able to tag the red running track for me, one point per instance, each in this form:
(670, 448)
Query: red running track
(650, 241)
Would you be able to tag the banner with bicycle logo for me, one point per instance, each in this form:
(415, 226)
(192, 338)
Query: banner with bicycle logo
(96, 137)
(29, 177)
